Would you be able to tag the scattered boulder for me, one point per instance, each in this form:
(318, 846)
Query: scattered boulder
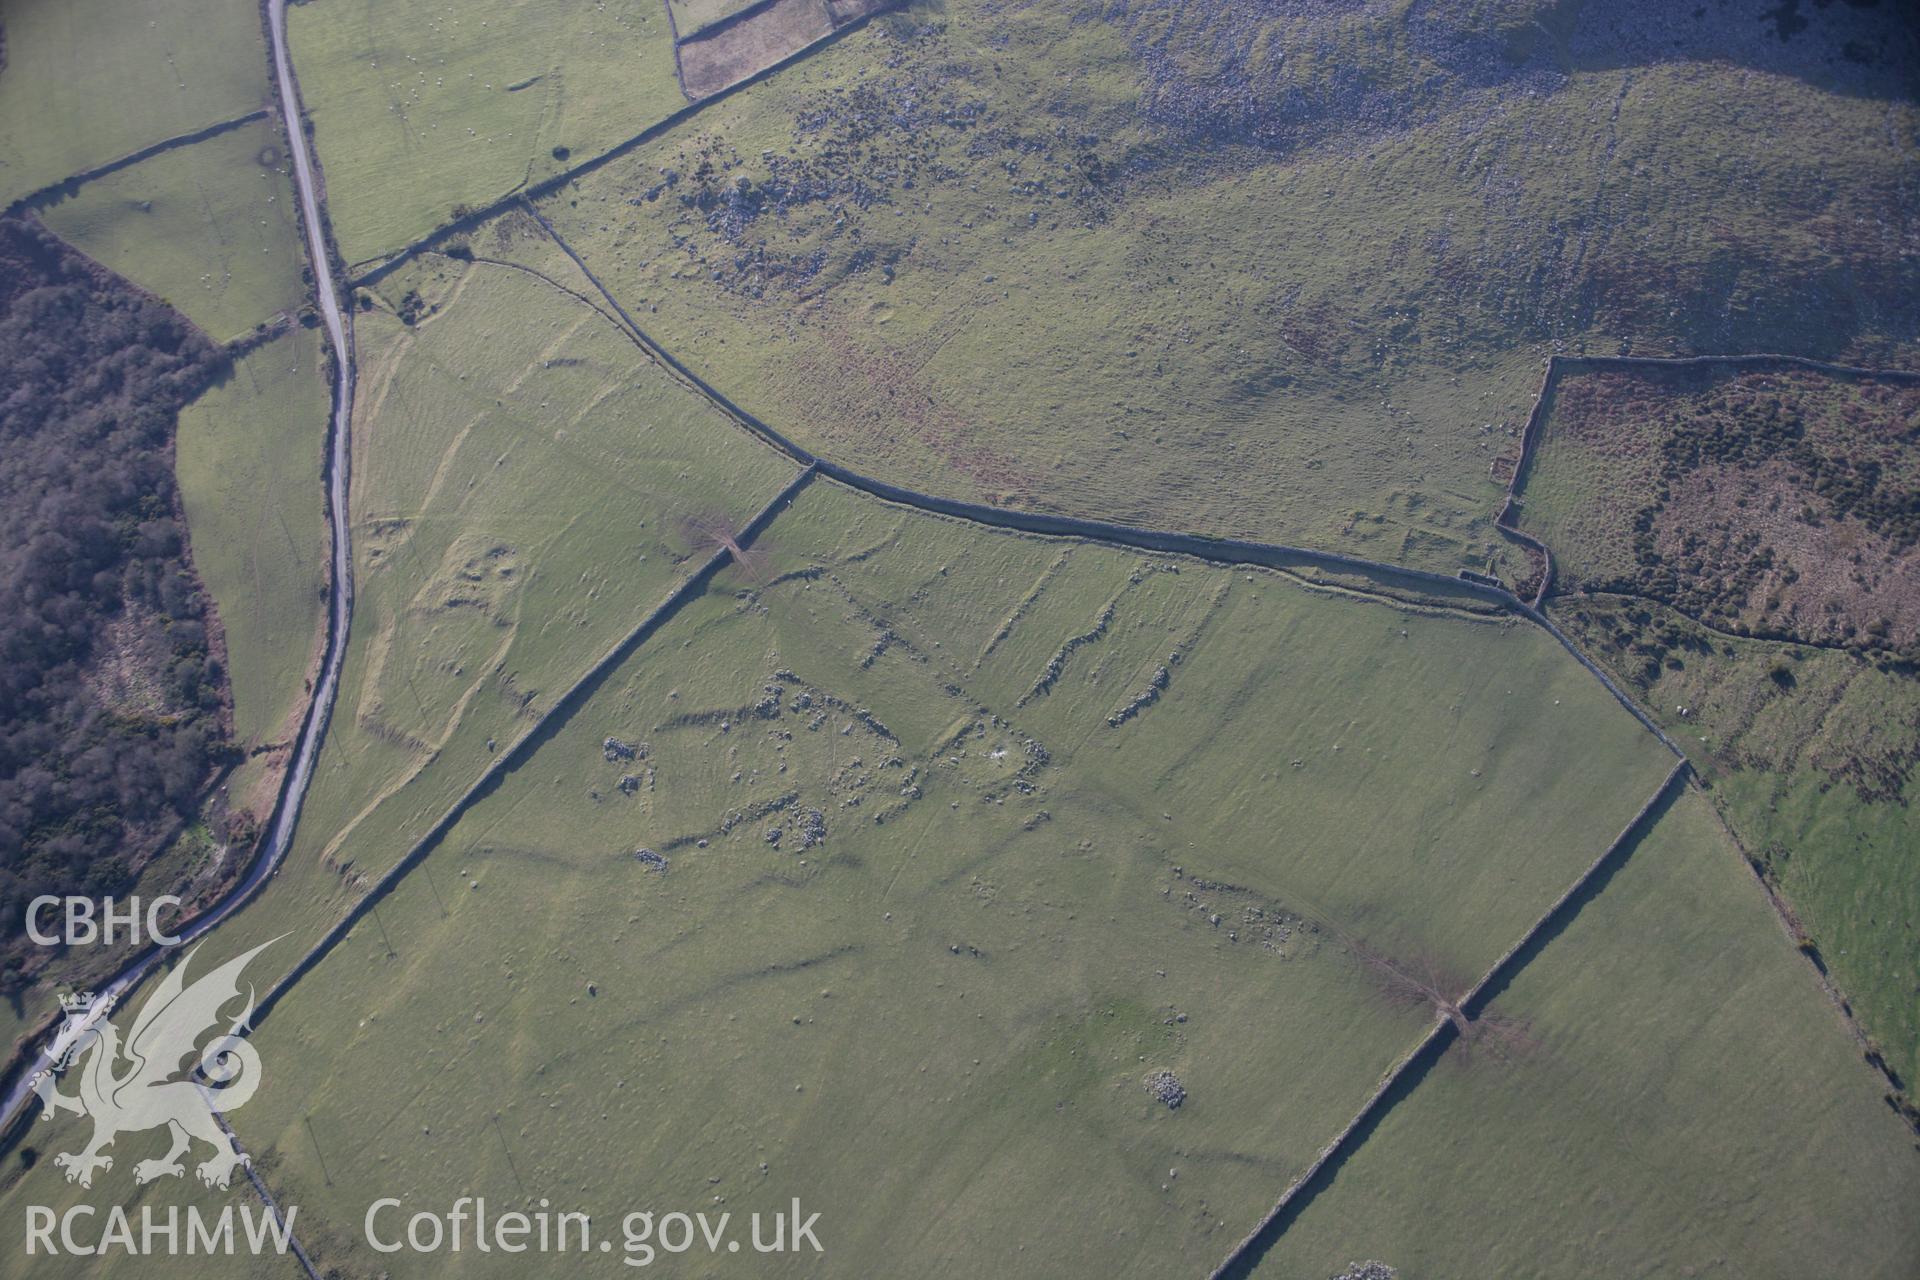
(811, 827)
(650, 860)
(615, 750)
(1166, 1087)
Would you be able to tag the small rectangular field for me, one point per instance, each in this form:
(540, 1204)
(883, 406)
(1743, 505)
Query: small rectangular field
(212, 229)
(690, 17)
(738, 42)
(90, 81)
(249, 458)
(421, 111)
(744, 48)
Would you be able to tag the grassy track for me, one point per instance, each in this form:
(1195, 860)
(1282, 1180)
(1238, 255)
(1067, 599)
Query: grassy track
(88, 81)
(211, 228)
(1690, 1108)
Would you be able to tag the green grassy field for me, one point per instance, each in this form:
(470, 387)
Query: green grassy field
(1690, 1108)
(961, 247)
(1811, 755)
(419, 109)
(211, 228)
(1007, 875)
(248, 456)
(87, 82)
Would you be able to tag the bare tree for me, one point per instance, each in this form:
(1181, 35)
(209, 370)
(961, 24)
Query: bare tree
(1423, 980)
(1416, 981)
(716, 531)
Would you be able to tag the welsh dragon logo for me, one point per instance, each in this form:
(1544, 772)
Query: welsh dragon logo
(137, 1084)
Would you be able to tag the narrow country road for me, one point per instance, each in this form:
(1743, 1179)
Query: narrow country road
(300, 772)
(313, 729)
